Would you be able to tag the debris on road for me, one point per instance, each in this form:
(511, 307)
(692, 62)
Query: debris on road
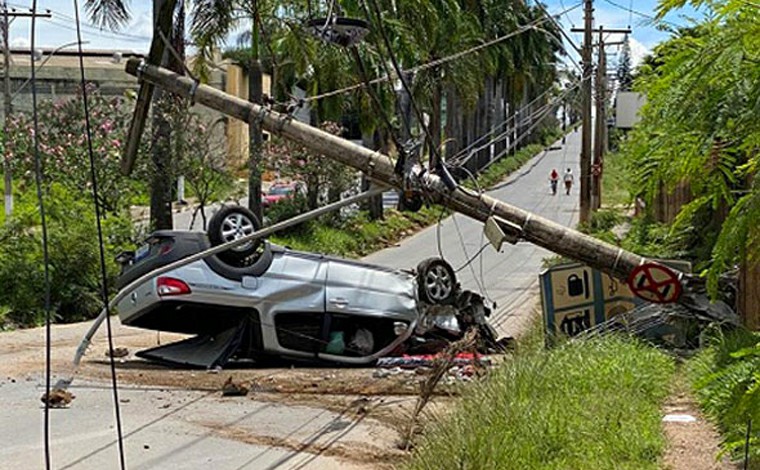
(117, 352)
(233, 389)
(429, 360)
(58, 398)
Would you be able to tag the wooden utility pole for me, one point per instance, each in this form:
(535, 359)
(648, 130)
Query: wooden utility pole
(600, 128)
(591, 174)
(8, 17)
(585, 177)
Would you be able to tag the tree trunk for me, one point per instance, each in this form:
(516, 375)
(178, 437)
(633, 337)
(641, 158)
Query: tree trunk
(453, 122)
(255, 139)
(404, 111)
(162, 179)
(374, 204)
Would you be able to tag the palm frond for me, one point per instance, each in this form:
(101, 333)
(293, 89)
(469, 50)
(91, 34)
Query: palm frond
(110, 14)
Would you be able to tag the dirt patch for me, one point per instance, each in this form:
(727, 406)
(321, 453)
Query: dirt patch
(692, 445)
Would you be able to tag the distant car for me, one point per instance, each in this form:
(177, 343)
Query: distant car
(279, 191)
(261, 300)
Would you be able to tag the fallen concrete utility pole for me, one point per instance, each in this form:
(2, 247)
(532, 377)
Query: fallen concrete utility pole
(516, 223)
(380, 167)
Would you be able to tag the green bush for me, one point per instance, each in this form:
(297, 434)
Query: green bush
(74, 266)
(285, 209)
(726, 378)
(585, 404)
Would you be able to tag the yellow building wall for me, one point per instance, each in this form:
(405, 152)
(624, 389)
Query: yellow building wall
(237, 131)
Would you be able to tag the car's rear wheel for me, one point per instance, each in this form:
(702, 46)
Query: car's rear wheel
(233, 223)
(437, 281)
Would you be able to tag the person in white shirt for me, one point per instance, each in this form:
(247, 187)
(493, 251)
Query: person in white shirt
(568, 179)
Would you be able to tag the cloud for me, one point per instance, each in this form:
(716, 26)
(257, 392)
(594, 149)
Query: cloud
(20, 43)
(142, 25)
(638, 51)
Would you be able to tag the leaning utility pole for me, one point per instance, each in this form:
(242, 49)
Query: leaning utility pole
(513, 223)
(7, 97)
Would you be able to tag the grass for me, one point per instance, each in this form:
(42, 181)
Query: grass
(358, 236)
(585, 404)
(615, 190)
(727, 386)
(497, 171)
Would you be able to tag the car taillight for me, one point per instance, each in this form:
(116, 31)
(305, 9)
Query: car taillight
(170, 286)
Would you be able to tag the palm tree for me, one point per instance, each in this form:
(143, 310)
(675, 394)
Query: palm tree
(212, 22)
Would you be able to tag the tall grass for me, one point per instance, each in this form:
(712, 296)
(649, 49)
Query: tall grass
(591, 404)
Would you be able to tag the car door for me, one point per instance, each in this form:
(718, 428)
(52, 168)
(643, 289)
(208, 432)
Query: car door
(291, 302)
(368, 310)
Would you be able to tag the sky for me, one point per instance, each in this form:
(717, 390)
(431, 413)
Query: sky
(60, 29)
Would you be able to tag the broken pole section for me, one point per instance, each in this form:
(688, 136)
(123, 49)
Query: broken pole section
(379, 167)
(163, 18)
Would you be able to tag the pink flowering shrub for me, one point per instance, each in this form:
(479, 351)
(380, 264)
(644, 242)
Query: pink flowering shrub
(63, 147)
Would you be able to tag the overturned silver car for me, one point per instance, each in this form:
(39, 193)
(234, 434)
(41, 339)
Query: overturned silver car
(261, 301)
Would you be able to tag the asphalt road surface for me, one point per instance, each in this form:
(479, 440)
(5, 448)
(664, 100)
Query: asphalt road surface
(509, 278)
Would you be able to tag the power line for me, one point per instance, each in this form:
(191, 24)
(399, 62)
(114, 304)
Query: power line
(443, 60)
(101, 249)
(99, 33)
(651, 18)
(45, 254)
(94, 29)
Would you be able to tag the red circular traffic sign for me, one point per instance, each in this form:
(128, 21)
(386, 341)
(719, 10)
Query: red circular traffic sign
(655, 283)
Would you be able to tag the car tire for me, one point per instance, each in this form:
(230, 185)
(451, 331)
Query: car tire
(437, 282)
(231, 223)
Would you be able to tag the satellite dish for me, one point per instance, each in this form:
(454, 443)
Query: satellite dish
(339, 30)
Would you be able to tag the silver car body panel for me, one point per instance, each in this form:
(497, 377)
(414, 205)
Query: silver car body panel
(294, 282)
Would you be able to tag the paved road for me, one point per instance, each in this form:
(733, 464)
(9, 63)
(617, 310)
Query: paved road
(508, 278)
(166, 427)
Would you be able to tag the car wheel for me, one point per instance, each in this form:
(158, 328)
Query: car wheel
(232, 223)
(437, 281)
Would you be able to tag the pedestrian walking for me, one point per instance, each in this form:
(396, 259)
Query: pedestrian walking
(568, 179)
(553, 180)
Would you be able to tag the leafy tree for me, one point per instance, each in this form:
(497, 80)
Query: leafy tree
(700, 125)
(624, 72)
(325, 179)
